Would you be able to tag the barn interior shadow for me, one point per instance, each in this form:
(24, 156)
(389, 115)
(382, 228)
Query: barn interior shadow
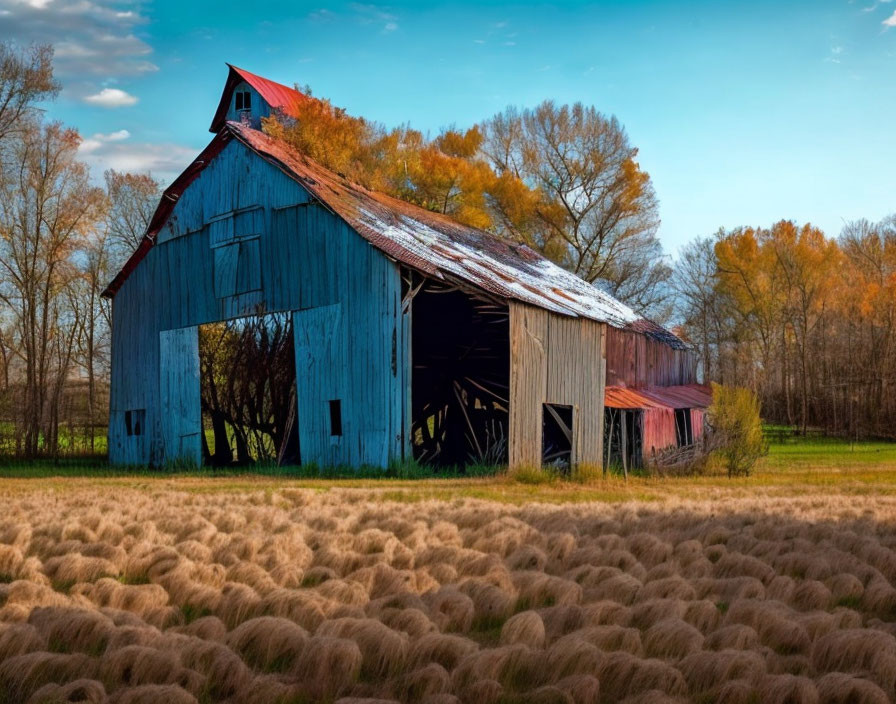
(461, 376)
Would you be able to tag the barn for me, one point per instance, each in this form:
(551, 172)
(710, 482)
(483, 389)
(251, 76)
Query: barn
(414, 336)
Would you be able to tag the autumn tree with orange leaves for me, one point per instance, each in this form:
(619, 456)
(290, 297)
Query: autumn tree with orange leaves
(563, 179)
(805, 320)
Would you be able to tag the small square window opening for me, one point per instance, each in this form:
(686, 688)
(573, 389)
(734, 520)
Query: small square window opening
(134, 421)
(335, 418)
(243, 100)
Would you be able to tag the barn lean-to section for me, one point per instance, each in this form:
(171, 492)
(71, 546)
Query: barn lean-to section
(414, 336)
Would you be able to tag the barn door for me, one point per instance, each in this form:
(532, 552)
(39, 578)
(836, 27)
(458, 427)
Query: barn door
(321, 386)
(179, 388)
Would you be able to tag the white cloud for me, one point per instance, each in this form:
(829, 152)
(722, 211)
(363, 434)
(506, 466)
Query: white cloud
(390, 27)
(93, 38)
(91, 144)
(114, 150)
(836, 53)
(890, 21)
(111, 98)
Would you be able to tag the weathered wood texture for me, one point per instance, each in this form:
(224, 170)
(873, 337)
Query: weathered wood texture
(636, 360)
(559, 360)
(658, 432)
(286, 253)
(179, 395)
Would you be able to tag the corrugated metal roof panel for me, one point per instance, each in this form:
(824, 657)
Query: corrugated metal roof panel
(687, 396)
(436, 244)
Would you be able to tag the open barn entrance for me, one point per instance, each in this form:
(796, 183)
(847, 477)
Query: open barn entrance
(248, 391)
(461, 375)
(623, 438)
(556, 436)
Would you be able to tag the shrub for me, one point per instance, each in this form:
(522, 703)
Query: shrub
(737, 428)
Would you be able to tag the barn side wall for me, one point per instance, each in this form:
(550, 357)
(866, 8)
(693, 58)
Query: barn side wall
(245, 236)
(635, 360)
(560, 360)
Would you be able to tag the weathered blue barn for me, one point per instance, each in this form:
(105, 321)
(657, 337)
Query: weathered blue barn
(407, 325)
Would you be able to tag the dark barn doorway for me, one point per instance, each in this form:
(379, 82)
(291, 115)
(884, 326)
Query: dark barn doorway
(248, 391)
(623, 438)
(460, 351)
(556, 436)
(684, 431)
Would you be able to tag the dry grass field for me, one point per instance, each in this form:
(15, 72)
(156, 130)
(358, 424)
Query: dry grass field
(248, 589)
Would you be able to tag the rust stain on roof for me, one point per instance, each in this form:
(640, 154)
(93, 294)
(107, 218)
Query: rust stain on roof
(686, 396)
(436, 244)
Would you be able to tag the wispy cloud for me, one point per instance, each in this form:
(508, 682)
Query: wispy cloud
(874, 6)
(115, 150)
(835, 54)
(375, 14)
(90, 36)
(361, 13)
(91, 144)
(890, 21)
(96, 41)
(322, 15)
(111, 98)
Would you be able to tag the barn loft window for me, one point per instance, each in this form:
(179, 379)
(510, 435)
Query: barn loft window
(556, 445)
(243, 100)
(134, 422)
(336, 418)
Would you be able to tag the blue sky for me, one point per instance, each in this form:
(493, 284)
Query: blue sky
(744, 112)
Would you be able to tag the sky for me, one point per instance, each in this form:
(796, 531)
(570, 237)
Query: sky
(744, 113)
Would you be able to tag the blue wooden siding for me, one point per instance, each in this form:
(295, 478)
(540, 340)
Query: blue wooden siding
(259, 107)
(351, 346)
(285, 253)
(179, 395)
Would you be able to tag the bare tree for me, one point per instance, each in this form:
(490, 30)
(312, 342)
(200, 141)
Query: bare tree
(47, 208)
(598, 213)
(26, 77)
(699, 307)
(133, 199)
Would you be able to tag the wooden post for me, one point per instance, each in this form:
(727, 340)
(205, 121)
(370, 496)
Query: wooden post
(624, 445)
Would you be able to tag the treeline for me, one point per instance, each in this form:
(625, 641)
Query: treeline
(805, 320)
(61, 239)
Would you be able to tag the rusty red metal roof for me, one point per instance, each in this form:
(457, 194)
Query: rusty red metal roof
(283, 98)
(429, 242)
(440, 246)
(686, 396)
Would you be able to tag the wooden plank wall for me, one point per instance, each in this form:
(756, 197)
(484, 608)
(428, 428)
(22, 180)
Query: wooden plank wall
(555, 359)
(658, 432)
(179, 395)
(635, 360)
(306, 257)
